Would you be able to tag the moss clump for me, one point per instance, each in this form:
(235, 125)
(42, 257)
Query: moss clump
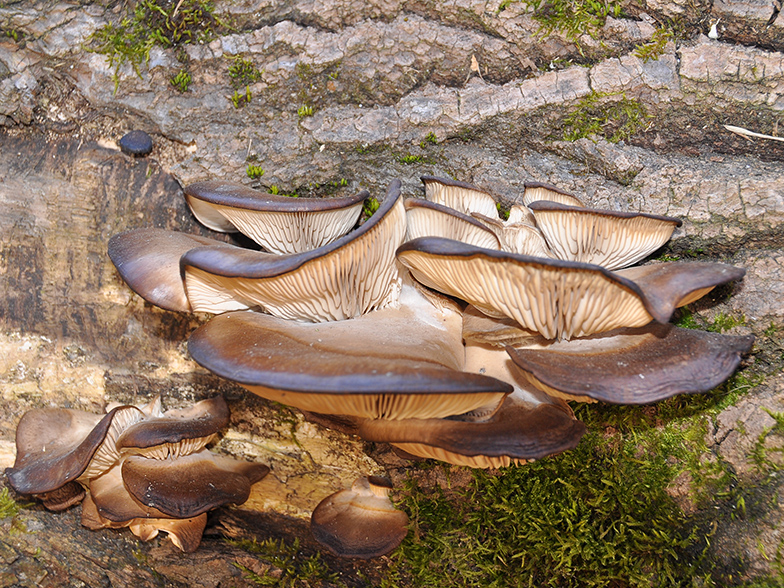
(572, 18)
(150, 23)
(615, 121)
(8, 506)
(288, 566)
(243, 72)
(654, 49)
(181, 81)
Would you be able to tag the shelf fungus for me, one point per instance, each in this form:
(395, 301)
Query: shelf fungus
(360, 522)
(135, 466)
(436, 326)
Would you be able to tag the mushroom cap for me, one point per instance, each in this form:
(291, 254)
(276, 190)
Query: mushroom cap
(460, 196)
(518, 431)
(113, 502)
(55, 446)
(149, 262)
(177, 432)
(360, 522)
(670, 285)
(428, 219)
(634, 366)
(278, 223)
(190, 485)
(559, 299)
(603, 237)
(536, 191)
(347, 278)
(391, 363)
(136, 143)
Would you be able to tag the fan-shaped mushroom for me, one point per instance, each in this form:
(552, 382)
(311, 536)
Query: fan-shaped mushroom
(278, 223)
(360, 522)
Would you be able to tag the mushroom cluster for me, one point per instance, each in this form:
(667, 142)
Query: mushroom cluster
(135, 466)
(436, 326)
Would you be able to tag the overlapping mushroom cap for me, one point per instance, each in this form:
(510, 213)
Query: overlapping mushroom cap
(474, 382)
(141, 467)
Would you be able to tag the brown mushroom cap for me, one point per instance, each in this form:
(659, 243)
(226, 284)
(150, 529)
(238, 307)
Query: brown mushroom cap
(558, 299)
(428, 219)
(177, 432)
(347, 278)
(460, 196)
(278, 223)
(669, 285)
(190, 485)
(634, 366)
(55, 446)
(602, 237)
(361, 522)
(536, 191)
(392, 363)
(517, 432)
(149, 262)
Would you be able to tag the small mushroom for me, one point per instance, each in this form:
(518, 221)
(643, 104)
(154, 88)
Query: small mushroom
(603, 237)
(347, 278)
(460, 196)
(517, 237)
(536, 191)
(360, 522)
(278, 223)
(428, 219)
(136, 143)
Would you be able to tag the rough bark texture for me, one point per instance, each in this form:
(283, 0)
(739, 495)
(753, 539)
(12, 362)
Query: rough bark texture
(381, 77)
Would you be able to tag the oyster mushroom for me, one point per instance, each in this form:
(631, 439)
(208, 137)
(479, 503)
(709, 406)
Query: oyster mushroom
(278, 223)
(360, 522)
(391, 363)
(344, 279)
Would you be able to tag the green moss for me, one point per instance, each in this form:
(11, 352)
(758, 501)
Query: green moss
(615, 120)
(240, 99)
(304, 111)
(408, 158)
(503, 211)
(654, 49)
(430, 139)
(572, 18)
(243, 72)
(288, 566)
(254, 172)
(151, 23)
(8, 506)
(370, 207)
(181, 81)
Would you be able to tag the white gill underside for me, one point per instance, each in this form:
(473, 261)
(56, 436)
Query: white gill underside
(171, 450)
(461, 199)
(359, 277)
(207, 214)
(542, 193)
(107, 455)
(382, 406)
(425, 222)
(292, 232)
(478, 461)
(558, 303)
(611, 242)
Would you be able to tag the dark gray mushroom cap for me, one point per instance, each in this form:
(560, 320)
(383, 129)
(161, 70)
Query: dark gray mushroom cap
(149, 262)
(515, 430)
(136, 143)
(203, 419)
(360, 522)
(667, 286)
(377, 364)
(635, 366)
(190, 485)
(55, 446)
